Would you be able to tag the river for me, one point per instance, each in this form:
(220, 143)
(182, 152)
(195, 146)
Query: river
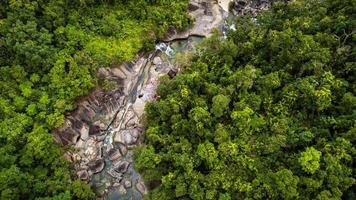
(118, 179)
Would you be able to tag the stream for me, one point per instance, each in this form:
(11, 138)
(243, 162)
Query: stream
(118, 179)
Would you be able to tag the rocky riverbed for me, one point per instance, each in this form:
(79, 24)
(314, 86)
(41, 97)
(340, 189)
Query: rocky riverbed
(106, 125)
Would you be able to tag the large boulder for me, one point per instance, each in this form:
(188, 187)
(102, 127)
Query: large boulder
(119, 169)
(128, 136)
(127, 184)
(114, 154)
(172, 73)
(123, 149)
(83, 175)
(92, 149)
(121, 166)
(94, 130)
(96, 166)
(157, 61)
(140, 187)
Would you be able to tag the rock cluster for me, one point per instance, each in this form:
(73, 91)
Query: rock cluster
(119, 169)
(249, 7)
(105, 126)
(208, 15)
(91, 118)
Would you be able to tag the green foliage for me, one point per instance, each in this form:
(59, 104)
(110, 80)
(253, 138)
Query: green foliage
(81, 190)
(268, 113)
(309, 160)
(49, 53)
(220, 105)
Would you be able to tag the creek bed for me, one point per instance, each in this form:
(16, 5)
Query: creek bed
(114, 181)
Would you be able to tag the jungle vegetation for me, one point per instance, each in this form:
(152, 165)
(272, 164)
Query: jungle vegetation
(268, 113)
(49, 53)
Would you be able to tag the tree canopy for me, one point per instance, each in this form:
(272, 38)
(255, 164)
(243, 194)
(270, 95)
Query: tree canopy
(269, 113)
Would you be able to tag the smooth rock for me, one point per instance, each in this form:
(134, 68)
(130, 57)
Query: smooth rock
(129, 115)
(134, 121)
(127, 184)
(130, 136)
(119, 73)
(139, 106)
(96, 165)
(100, 124)
(122, 189)
(157, 61)
(76, 157)
(90, 173)
(114, 154)
(92, 149)
(96, 110)
(83, 175)
(100, 137)
(140, 187)
(84, 166)
(83, 122)
(123, 149)
(192, 7)
(172, 73)
(224, 4)
(121, 166)
(84, 132)
(66, 136)
(94, 130)
(80, 144)
(118, 169)
(115, 174)
(118, 137)
(116, 184)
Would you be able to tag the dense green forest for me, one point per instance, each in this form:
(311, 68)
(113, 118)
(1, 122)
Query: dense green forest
(49, 53)
(269, 113)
